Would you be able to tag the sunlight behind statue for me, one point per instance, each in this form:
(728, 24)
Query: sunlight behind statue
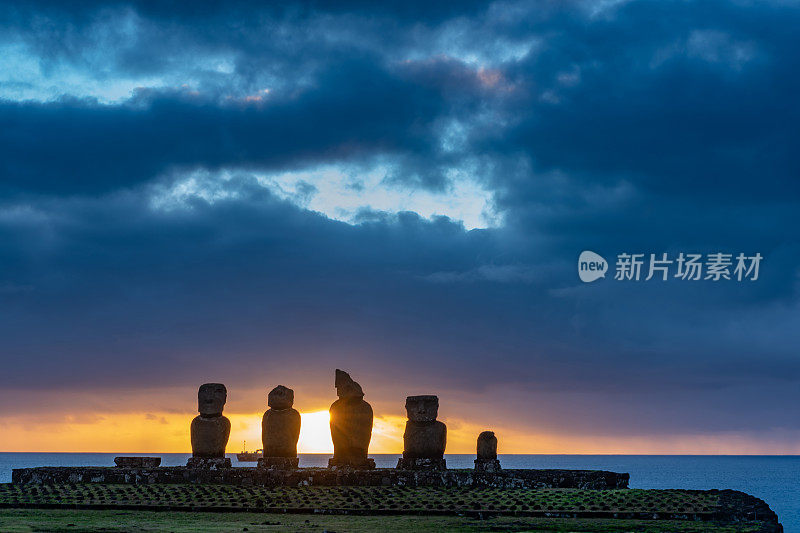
(351, 425)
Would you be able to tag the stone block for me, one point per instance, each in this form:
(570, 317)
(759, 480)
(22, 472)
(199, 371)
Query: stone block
(421, 464)
(137, 462)
(354, 463)
(279, 463)
(209, 463)
(489, 466)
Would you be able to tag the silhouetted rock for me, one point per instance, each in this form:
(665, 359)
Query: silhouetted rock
(351, 425)
(137, 462)
(487, 453)
(425, 438)
(280, 429)
(210, 430)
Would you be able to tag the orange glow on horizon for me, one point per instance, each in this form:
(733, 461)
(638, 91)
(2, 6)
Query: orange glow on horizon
(169, 433)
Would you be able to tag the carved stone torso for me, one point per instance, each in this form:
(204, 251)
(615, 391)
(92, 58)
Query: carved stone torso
(280, 429)
(351, 427)
(487, 446)
(210, 436)
(424, 440)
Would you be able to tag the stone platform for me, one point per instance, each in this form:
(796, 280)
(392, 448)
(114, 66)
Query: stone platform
(252, 476)
(279, 463)
(421, 464)
(212, 463)
(367, 463)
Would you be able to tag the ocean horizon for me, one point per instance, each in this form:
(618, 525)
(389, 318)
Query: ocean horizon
(772, 478)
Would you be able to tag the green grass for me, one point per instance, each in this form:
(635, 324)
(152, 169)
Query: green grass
(95, 521)
(96, 507)
(385, 500)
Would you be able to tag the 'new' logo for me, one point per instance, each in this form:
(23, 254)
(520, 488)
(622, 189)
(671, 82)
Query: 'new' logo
(591, 266)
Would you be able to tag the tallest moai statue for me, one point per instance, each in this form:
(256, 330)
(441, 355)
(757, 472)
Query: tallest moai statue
(351, 425)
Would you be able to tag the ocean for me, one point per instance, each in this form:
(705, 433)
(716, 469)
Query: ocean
(775, 479)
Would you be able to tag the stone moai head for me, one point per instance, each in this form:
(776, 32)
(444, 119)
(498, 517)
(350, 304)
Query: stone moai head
(487, 445)
(422, 408)
(211, 399)
(346, 387)
(281, 398)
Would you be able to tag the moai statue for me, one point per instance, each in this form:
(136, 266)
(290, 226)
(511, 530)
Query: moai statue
(280, 429)
(210, 430)
(487, 453)
(351, 425)
(425, 437)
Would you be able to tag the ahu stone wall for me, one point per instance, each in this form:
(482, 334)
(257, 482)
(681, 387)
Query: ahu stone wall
(526, 479)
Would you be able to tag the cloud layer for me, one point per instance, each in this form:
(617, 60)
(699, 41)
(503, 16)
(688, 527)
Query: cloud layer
(146, 220)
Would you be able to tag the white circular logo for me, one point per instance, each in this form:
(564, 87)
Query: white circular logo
(591, 266)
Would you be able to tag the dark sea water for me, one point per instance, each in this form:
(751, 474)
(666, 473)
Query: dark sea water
(775, 479)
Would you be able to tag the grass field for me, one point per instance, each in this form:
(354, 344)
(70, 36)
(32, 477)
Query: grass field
(97, 507)
(386, 500)
(90, 521)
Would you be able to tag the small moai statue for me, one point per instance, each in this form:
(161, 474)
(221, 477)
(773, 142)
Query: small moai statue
(210, 430)
(425, 438)
(487, 453)
(280, 429)
(351, 425)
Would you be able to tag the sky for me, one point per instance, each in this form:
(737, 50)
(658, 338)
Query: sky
(257, 195)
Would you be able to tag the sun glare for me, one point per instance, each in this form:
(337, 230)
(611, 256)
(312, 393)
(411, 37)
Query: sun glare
(315, 433)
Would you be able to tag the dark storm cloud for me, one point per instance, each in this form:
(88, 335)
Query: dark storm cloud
(251, 287)
(347, 114)
(212, 10)
(650, 127)
(695, 102)
(288, 39)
